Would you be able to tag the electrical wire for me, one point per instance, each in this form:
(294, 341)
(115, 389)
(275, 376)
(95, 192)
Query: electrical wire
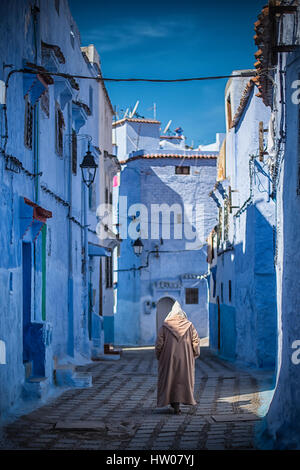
(158, 80)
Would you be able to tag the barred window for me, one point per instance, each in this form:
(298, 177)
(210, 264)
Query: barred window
(92, 197)
(109, 272)
(59, 130)
(220, 227)
(28, 123)
(191, 295)
(91, 99)
(226, 219)
(182, 170)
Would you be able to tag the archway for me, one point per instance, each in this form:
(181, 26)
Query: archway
(164, 305)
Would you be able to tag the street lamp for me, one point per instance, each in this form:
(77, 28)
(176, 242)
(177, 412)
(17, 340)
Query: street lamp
(88, 168)
(138, 246)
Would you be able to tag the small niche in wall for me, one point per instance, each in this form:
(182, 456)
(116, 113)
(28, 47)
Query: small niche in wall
(11, 285)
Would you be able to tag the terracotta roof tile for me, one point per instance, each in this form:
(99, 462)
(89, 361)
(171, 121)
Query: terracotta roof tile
(264, 54)
(146, 121)
(171, 137)
(243, 102)
(169, 155)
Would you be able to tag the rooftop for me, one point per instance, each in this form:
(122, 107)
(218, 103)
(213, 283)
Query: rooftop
(146, 121)
(185, 156)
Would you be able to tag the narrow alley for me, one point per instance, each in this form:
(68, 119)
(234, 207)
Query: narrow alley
(119, 411)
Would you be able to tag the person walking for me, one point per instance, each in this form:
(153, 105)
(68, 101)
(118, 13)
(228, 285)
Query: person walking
(177, 345)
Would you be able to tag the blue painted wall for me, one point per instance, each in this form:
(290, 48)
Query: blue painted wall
(248, 325)
(281, 427)
(50, 286)
(153, 181)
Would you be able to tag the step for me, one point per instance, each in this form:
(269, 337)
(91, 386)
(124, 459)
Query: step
(35, 388)
(82, 380)
(66, 376)
(106, 357)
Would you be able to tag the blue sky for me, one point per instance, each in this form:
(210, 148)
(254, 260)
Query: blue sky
(171, 39)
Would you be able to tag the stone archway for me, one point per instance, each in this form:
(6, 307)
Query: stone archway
(163, 307)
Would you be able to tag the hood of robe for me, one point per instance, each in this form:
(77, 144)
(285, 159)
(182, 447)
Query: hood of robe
(176, 322)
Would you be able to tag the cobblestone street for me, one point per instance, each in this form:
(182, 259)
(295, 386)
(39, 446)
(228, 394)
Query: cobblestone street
(119, 410)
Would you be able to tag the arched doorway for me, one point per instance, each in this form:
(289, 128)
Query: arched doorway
(163, 307)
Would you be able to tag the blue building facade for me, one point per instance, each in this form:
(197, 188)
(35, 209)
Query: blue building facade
(163, 201)
(49, 267)
(279, 90)
(241, 252)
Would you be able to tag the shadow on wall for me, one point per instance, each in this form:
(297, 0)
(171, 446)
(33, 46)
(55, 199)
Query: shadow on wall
(246, 330)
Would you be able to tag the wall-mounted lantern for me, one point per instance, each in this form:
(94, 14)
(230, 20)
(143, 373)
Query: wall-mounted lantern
(138, 246)
(88, 168)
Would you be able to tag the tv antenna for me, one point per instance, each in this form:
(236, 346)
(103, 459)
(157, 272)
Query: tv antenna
(134, 110)
(167, 127)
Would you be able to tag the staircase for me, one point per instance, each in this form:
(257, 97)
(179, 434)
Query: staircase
(34, 387)
(65, 375)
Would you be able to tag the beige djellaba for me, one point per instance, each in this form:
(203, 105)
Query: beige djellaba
(176, 348)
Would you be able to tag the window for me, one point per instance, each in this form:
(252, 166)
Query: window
(91, 99)
(108, 272)
(226, 219)
(219, 228)
(92, 197)
(229, 291)
(72, 37)
(74, 152)
(59, 130)
(229, 112)
(56, 2)
(28, 123)
(191, 295)
(182, 170)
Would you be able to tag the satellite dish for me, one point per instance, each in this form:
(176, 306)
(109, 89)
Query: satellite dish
(134, 110)
(167, 127)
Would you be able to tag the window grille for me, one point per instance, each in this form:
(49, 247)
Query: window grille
(59, 130)
(182, 170)
(108, 272)
(226, 219)
(28, 123)
(191, 295)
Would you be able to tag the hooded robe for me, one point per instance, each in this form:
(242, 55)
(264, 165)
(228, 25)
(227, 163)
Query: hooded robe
(176, 348)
